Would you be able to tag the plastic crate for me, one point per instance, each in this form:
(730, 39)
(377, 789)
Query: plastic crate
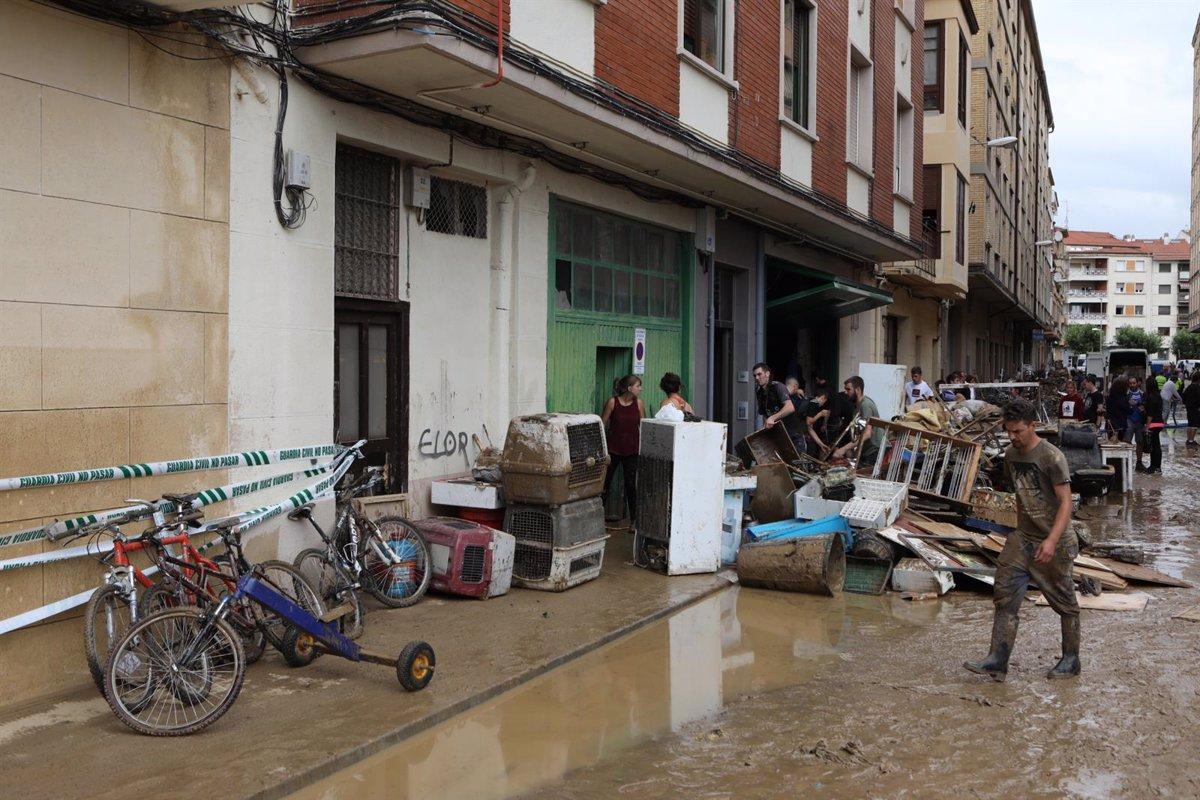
(876, 504)
(556, 569)
(867, 575)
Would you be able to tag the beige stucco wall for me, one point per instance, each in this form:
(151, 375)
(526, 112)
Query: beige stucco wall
(114, 253)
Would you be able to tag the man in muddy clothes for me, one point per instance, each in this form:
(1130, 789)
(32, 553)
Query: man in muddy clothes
(1043, 548)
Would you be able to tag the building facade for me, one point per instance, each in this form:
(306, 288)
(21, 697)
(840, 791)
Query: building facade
(414, 230)
(1010, 306)
(1194, 282)
(918, 319)
(1116, 282)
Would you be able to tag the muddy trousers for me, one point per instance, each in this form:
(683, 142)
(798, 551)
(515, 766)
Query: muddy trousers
(1015, 569)
(629, 465)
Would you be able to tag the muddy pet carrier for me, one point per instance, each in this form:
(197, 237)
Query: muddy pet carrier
(551, 459)
(558, 526)
(556, 569)
(467, 558)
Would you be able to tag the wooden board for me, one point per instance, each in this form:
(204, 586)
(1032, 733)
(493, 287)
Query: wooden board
(1137, 573)
(1192, 614)
(1126, 601)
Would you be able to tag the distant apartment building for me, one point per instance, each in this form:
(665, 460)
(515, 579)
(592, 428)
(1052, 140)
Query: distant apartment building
(929, 287)
(1115, 282)
(1008, 319)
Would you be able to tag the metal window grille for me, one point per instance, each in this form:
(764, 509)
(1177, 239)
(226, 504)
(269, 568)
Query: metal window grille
(366, 252)
(457, 208)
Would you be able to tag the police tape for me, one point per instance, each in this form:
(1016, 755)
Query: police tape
(254, 517)
(205, 497)
(251, 458)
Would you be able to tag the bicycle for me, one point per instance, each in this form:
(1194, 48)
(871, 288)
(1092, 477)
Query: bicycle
(180, 669)
(388, 557)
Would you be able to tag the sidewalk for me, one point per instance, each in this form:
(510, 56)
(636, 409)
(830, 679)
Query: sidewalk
(290, 727)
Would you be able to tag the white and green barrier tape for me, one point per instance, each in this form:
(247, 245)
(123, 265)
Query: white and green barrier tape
(252, 458)
(332, 472)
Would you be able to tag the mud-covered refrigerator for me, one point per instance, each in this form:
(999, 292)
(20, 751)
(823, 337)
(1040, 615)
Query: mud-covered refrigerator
(680, 491)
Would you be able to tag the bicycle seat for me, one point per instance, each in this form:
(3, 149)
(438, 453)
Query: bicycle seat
(303, 512)
(225, 522)
(181, 498)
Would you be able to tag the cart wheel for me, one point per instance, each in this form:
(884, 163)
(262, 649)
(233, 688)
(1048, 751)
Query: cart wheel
(298, 649)
(414, 666)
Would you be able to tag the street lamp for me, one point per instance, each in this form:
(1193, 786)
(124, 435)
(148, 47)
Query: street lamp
(1003, 141)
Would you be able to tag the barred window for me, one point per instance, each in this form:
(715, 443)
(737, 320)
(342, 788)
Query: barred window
(457, 208)
(366, 218)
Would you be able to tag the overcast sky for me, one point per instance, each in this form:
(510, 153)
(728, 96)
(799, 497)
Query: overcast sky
(1120, 78)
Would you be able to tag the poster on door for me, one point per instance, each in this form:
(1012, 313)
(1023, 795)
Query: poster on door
(639, 351)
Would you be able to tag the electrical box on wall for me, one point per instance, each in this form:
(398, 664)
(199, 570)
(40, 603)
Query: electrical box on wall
(416, 187)
(706, 229)
(298, 170)
(743, 410)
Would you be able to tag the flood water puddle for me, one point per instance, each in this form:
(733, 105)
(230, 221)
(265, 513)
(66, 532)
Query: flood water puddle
(652, 683)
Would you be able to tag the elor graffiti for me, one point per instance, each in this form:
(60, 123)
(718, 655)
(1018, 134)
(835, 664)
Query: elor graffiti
(439, 444)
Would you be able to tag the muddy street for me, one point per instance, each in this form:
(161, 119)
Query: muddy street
(756, 694)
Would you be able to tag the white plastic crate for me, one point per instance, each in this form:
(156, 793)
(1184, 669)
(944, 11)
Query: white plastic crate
(566, 567)
(876, 504)
(810, 505)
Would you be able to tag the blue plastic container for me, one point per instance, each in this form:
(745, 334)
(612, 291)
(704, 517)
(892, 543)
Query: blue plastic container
(794, 529)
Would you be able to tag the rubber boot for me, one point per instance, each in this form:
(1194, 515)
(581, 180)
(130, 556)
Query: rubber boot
(1068, 665)
(1004, 634)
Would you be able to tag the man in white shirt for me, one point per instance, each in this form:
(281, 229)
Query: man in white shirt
(916, 389)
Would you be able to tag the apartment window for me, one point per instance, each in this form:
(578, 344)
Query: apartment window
(1164, 311)
(366, 249)
(931, 209)
(704, 31)
(1164, 331)
(960, 220)
(1139, 310)
(891, 339)
(797, 60)
(903, 158)
(935, 48)
(963, 69)
(859, 111)
(1164, 289)
(1164, 268)
(457, 208)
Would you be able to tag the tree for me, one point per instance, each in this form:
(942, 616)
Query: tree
(1186, 344)
(1138, 339)
(1084, 338)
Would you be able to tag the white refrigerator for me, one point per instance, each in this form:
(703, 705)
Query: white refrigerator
(681, 491)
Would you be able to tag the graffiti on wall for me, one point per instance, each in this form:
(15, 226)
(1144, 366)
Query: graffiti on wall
(440, 444)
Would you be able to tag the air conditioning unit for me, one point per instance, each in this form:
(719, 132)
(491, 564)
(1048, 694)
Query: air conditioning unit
(552, 459)
(680, 491)
(467, 558)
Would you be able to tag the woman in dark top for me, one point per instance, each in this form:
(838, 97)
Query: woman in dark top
(1116, 405)
(1153, 405)
(622, 416)
(1191, 403)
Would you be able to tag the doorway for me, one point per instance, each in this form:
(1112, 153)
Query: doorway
(370, 386)
(723, 376)
(612, 364)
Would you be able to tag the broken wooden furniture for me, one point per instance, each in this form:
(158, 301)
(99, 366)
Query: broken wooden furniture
(932, 464)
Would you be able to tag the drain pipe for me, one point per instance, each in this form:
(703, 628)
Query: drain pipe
(504, 374)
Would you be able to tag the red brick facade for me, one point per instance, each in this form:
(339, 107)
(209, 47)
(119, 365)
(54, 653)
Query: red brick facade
(883, 56)
(833, 54)
(754, 108)
(918, 98)
(636, 50)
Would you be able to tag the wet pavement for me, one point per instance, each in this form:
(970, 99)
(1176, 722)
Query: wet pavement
(755, 694)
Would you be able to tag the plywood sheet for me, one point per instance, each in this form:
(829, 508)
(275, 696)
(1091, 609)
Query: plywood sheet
(1109, 601)
(1141, 574)
(1192, 614)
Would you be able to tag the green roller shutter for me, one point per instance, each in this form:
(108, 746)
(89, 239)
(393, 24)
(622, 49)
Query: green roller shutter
(609, 276)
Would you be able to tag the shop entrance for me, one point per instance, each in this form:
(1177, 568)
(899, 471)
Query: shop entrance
(612, 364)
(803, 309)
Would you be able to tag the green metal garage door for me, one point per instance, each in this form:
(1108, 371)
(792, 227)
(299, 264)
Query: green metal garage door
(609, 276)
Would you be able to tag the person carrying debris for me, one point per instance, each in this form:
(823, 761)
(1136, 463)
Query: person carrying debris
(872, 436)
(1042, 548)
(775, 405)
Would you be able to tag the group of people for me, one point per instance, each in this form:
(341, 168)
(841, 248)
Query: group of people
(816, 423)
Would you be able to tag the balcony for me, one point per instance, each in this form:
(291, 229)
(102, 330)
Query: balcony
(1098, 293)
(938, 276)
(1086, 318)
(1087, 274)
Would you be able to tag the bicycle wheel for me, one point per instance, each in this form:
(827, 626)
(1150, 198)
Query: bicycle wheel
(105, 620)
(287, 580)
(156, 688)
(334, 586)
(395, 562)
